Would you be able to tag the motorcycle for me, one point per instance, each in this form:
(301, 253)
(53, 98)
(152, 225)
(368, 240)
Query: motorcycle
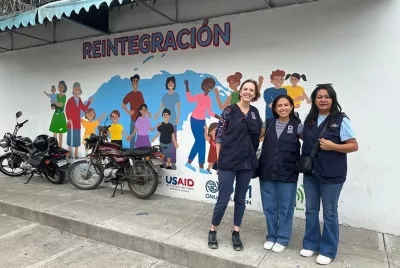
(139, 167)
(43, 156)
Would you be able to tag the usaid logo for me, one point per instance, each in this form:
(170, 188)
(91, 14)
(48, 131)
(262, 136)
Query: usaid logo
(170, 180)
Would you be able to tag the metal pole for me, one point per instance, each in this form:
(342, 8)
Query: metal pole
(12, 40)
(177, 10)
(268, 3)
(54, 31)
(158, 12)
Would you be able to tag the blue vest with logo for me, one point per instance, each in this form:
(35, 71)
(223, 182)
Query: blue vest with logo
(328, 166)
(279, 155)
(240, 142)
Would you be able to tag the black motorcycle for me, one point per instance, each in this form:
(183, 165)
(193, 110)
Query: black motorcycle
(43, 156)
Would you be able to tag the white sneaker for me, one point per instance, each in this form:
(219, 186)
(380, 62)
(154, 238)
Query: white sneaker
(278, 248)
(268, 245)
(307, 253)
(321, 259)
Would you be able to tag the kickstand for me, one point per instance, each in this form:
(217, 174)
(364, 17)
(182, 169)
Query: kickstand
(115, 189)
(122, 186)
(29, 178)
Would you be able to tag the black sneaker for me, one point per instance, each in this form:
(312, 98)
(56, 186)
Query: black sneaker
(236, 242)
(212, 240)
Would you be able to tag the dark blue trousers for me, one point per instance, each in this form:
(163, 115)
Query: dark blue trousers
(225, 187)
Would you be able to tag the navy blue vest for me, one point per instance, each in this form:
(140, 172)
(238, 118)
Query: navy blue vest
(238, 148)
(328, 166)
(278, 157)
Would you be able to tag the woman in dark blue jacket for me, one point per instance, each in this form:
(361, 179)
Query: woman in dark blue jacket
(277, 171)
(237, 139)
(328, 173)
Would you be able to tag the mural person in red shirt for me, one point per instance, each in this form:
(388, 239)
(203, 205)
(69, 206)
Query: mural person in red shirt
(135, 99)
(73, 110)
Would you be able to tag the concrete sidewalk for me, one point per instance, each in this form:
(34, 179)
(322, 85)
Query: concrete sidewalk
(175, 230)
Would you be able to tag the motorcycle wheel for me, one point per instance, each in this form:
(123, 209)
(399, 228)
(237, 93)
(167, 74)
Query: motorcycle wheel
(16, 160)
(55, 176)
(77, 173)
(153, 182)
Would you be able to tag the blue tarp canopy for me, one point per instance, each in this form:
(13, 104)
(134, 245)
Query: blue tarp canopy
(65, 7)
(24, 18)
(57, 9)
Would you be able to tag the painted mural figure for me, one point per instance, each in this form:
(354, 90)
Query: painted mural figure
(52, 97)
(295, 91)
(234, 82)
(171, 101)
(58, 122)
(73, 110)
(167, 137)
(134, 99)
(116, 130)
(90, 124)
(198, 120)
(277, 78)
(209, 134)
(142, 127)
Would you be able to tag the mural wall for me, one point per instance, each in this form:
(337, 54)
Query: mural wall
(169, 85)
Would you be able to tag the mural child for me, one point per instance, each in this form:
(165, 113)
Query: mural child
(295, 91)
(142, 127)
(116, 130)
(277, 79)
(90, 125)
(73, 110)
(167, 137)
(52, 97)
(198, 120)
(134, 99)
(209, 134)
(58, 123)
(171, 101)
(234, 83)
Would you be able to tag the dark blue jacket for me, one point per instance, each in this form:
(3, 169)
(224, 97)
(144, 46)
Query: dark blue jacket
(328, 166)
(239, 145)
(278, 157)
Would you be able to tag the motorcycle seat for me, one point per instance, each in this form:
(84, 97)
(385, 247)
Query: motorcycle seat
(141, 151)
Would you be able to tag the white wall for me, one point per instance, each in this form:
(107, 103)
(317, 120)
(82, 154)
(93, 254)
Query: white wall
(353, 44)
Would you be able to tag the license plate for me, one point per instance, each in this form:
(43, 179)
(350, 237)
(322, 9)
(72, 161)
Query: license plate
(156, 162)
(62, 163)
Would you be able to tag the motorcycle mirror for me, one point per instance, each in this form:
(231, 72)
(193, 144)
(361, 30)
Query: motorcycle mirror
(18, 114)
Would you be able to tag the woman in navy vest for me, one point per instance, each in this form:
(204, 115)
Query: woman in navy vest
(237, 139)
(329, 171)
(277, 171)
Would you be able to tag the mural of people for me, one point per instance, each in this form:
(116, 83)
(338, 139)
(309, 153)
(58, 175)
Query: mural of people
(209, 134)
(142, 127)
(198, 120)
(58, 123)
(234, 83)
(52, 97)
(116, 130)
(134, 99)
(295, 91)
(166, 132)
(90, 124)
(73, 110)
(277, 79)
(171, 101)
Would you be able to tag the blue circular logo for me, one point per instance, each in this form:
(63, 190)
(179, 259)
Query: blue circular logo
(212, 187)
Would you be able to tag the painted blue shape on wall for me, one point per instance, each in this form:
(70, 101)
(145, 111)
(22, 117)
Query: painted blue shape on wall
(110, 95)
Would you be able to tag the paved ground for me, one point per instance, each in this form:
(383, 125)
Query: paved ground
(171, 229)
(32, 245)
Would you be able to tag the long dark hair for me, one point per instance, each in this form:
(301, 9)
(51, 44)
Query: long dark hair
(292, 114)
(336, 109)
(140, 108)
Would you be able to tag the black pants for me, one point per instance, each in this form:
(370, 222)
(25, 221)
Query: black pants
(225, 186)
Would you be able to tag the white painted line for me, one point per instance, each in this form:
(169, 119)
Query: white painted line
(19, 230)
(56, 255)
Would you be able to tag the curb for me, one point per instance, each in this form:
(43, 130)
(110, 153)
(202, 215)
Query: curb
(156, 249)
